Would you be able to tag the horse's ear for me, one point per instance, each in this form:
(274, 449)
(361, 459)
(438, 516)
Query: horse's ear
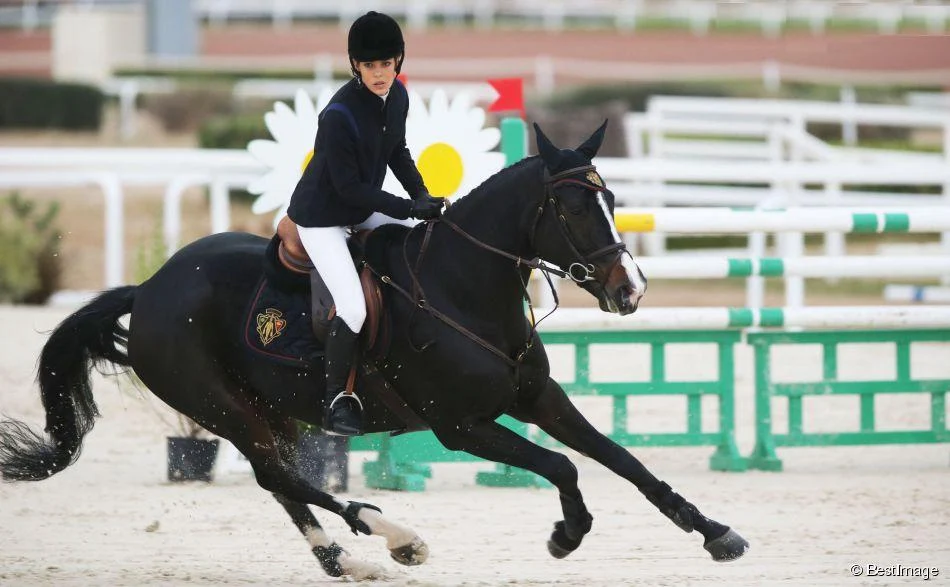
(550, 154)
(592, 144)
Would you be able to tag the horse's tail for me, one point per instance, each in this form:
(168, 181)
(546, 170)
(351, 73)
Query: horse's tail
(84, 339)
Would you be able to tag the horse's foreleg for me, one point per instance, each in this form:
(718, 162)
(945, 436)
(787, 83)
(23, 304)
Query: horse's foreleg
(554, 413)
(335, 561)
(492, 441)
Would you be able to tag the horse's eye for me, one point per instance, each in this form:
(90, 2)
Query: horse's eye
(576, 206)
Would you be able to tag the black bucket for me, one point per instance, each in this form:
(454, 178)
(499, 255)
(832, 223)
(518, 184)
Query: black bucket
(191, 459)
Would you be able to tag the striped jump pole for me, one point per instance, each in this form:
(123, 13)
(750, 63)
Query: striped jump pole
(592, 319)
(810, 220)
(815, 267)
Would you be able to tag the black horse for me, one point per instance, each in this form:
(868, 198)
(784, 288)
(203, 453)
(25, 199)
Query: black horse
(462, 353)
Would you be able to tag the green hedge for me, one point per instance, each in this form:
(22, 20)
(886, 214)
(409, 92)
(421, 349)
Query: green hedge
(35, 103)
(232, 132)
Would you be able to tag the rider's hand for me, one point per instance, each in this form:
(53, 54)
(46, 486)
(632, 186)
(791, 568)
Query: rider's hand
(426, 207)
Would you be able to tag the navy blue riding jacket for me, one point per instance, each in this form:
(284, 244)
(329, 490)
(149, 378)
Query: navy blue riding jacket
(358, 137)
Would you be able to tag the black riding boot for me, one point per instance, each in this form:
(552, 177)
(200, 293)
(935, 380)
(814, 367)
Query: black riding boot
(342, 412)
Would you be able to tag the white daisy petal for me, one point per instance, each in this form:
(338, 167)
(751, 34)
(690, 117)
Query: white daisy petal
(324, 98)
(267, 152)
(281, 122)
(306, 112)
(475, 119)
(461, 103)
(485, 140)
(417, 108)
(439, 106)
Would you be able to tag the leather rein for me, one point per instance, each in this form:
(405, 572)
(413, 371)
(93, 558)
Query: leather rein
(579, 271)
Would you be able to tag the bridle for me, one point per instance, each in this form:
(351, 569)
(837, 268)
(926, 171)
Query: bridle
(590, 182)
(580, 271)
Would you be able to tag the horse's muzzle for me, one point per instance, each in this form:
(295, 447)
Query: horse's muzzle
(624, 288)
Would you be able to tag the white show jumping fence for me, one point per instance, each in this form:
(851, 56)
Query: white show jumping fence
(688, 318)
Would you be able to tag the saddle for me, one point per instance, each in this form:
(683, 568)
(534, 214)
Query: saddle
(294, 258)
(374, 336)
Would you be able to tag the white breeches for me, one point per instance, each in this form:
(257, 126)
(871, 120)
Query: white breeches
(327, 248)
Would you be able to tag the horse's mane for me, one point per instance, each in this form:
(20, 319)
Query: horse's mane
(498, 182)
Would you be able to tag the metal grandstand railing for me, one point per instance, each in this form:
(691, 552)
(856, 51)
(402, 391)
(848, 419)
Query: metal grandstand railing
(770, 16)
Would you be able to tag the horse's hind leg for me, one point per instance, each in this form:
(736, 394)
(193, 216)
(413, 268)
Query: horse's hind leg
(554, 413)
(335, 561)
(492, 441)
(404, 545)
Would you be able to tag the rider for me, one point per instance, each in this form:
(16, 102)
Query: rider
(361, 131)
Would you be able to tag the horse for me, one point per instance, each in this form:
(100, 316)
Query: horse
(462, 352)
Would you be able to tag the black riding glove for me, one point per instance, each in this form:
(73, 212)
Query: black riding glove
(426, 207)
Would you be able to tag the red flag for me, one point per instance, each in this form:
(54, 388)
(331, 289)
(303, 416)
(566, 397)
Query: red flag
(402, 77)
(510, 95)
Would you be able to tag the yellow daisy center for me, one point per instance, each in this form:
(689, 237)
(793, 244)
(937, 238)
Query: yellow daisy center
(441, 168)
(306, 160)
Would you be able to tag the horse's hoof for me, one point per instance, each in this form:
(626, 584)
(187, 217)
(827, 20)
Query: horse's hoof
(727, 547)
(412, 554)
(329, 557)
(559, 545)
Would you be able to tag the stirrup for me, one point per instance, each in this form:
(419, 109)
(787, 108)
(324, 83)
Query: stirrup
(345, 394)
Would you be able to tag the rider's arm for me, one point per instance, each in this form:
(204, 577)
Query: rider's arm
(341, 160)
(404, 168)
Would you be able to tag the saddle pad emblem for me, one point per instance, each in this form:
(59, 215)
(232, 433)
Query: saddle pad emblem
(594, 178)
(270, 325)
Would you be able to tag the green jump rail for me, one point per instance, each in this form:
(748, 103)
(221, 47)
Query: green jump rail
(764, 455)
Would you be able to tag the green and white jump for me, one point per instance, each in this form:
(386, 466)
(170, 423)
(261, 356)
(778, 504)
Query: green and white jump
(807, 220)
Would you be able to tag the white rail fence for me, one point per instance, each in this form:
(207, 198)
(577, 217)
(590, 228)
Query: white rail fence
(781, 166)
(176, 169)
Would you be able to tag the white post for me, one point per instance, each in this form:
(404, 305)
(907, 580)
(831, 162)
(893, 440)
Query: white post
(220, 206)
(945, 237)
(755, 286)
(114, 262)
(128, 91)
(771, 76)
(834, 241)
(171, 214)
(544, 75)
(323, 68)
(654, 243)
(792, 244)
(849, 128)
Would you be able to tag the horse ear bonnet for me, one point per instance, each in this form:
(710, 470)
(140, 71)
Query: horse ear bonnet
(592, 144)
(375, 36)
(558, 160)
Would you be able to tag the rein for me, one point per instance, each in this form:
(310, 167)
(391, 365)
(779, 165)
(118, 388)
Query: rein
(417, 296)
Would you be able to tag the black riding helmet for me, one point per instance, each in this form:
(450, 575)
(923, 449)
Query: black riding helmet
(376, 36)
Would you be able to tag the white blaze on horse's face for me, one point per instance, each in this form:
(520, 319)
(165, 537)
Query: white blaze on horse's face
(634, 274)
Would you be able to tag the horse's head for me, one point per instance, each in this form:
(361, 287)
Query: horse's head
(575, 226)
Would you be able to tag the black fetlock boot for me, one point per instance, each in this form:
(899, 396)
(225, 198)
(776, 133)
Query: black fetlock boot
(342, 412)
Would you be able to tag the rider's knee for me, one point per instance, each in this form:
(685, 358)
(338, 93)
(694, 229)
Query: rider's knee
(353, 314)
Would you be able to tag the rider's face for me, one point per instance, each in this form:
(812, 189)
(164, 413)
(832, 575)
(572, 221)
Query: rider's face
(378, 75)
